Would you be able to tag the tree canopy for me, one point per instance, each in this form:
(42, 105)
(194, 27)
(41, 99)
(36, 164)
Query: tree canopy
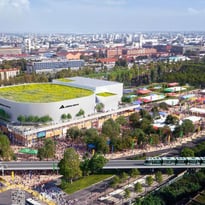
(69, 166)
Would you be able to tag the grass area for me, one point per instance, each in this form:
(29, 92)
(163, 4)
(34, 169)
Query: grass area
(64, 80)
(105, 94)
(84, 183)
(42, 93)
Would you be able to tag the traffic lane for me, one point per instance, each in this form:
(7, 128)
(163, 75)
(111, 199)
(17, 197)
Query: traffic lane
(124, 162)
(29, 165)
(134, 166)
(88, 195)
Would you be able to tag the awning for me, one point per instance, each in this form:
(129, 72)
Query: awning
(28, 151)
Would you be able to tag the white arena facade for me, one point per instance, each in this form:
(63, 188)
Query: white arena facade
(71, 106)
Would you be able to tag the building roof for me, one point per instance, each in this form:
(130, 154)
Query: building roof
(143, 91)
(107, 60)
(173, 84)
(90, 82)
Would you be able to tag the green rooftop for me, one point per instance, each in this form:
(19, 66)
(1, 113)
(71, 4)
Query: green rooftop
(65, 80)
(105, 94)
(42, 93)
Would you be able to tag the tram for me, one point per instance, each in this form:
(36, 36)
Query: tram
(174, 161)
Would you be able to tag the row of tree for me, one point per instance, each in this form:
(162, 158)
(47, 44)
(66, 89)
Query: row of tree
(197, 151)
(177, 192)
(34, 119)
(136, 131)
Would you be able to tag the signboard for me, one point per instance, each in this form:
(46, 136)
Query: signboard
(41, 134)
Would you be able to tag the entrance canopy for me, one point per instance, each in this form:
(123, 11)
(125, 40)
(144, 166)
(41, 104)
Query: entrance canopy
(28, 151)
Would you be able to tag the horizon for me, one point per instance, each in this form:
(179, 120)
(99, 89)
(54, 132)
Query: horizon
(105, 16)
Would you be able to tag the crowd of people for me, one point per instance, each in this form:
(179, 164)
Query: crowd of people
(29, 179)
(38, 180)
(52, 192)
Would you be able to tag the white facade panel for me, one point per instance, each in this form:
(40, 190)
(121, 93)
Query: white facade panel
(54, 109)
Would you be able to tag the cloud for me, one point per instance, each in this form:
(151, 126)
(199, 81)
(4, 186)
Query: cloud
(116, 2)
(14, 6)
(89, 2)
(14, 14)
(194, 11)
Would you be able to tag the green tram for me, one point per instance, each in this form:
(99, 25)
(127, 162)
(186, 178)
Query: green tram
(174, 161)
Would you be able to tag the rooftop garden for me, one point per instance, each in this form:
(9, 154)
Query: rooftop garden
(65, 80)
(105, 94)
(42, 93)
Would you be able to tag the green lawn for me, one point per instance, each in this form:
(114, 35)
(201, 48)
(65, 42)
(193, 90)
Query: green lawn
(42, 93)
(84, 183)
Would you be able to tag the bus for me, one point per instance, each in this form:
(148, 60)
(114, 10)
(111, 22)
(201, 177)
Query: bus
(31, 201)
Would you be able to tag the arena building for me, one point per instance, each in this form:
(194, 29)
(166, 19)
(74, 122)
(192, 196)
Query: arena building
(19, 100)
(108, 93)
(35, 100)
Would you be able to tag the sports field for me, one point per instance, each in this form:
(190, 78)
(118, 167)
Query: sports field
(42, 93)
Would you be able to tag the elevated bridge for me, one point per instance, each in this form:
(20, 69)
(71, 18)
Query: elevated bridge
(28, 165)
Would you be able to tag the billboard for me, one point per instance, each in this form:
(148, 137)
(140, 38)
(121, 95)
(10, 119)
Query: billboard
(41, 134)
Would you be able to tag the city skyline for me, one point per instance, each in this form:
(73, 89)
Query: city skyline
(97, 16)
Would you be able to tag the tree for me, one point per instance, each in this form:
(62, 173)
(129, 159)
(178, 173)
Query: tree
(134, 173)
(121, 120)
(84, 166)
(163, 106)
(101, 144)
(145, 114)
(69, 116)
(69, 166)
(73, 133)
(115, 181)
(178, 131)
(110, 128)
(99, 107)
(134, 120)
(123, 176)
(169, 171)
(141, 137)
(127, 193)
(187, 152)
(155, 111)
(172, 120)
(138, 187)
(6, 152)
(63, 117)
(146, 126)
(48, 149)
(96, 163)
(149, 180)
(41, 153)
(21, 118)
(80, 113)
(187, 126)
(158, 177)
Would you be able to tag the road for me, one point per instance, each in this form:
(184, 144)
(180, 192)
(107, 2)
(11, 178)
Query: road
(50, 165)
(28, 165)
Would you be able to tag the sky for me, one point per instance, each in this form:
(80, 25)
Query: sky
(101, 16)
